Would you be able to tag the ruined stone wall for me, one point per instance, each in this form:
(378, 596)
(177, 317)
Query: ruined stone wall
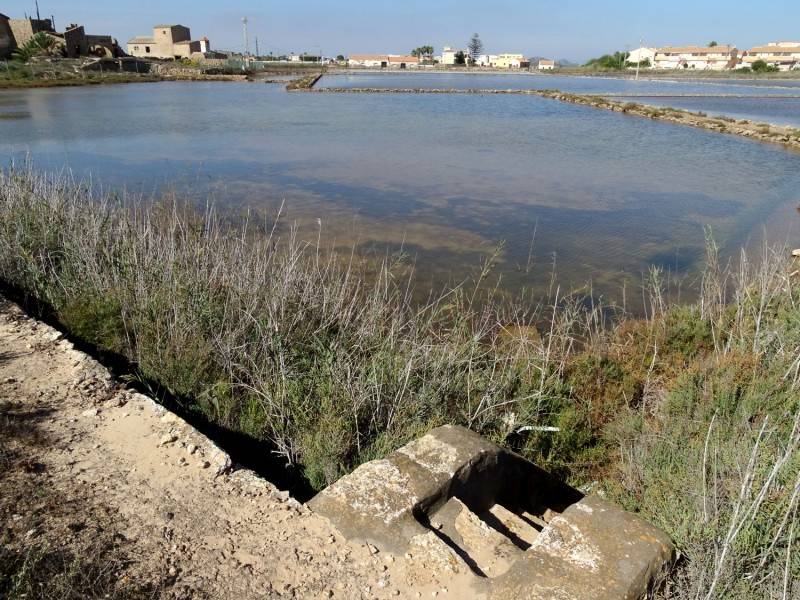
(7, 45)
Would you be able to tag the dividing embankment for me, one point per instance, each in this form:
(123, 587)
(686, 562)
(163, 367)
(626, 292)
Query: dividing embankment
(764, 132)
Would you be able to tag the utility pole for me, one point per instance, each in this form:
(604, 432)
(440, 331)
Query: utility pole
(257, 54)
(246, 40)
(639, 58)
(38, 16)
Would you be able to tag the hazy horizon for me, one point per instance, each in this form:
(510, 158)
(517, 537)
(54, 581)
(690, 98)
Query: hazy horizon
(573, 29)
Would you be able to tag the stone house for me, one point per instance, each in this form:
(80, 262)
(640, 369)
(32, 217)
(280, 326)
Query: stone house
(546, 65)
(23, 30)
(7, 44)
(167, 41)
(75, 41)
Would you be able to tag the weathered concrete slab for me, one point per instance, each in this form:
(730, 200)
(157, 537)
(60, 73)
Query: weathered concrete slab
(470, 505)
(593, 551)
(387, 502)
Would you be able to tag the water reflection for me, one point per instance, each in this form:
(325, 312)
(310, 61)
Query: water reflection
(446, 179)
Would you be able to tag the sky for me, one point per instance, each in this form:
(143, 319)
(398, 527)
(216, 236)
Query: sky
(560, 29)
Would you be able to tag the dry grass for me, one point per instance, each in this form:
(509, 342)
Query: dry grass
(687, 415)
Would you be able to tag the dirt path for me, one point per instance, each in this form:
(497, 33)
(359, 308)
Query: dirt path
(105, 482)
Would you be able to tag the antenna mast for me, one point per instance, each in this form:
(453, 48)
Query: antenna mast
(38, 16)
(246, 39)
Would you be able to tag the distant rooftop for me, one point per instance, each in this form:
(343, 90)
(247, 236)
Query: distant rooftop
(141, 40)
(697, 49)
(168, 26)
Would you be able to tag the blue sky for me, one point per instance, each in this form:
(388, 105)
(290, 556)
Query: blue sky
(572, 29)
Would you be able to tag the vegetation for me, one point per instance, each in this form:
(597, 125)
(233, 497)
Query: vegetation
(475, 47)
(761, 66)
(423, 52)
(688, 414)
(608, 62)
(40, 44)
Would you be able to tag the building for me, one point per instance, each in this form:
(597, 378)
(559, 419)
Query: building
(23, 30)
(403, 61)
(783, 55)
(205, 45)
(713, 58)
(168, 41)
(546, 65)
(449, 56)
(397, 61)
(368, 60)
(75, 42)
(510, 61)
(7, 45)
(642, 55)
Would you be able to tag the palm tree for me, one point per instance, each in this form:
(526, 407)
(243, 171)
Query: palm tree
(40, 44)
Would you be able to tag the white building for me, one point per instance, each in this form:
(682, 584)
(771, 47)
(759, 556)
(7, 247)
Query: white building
(486, 60)
(783, 55)
(398, 61)
(713, 58)
(546, 65)
(642, 55)
(449, 55)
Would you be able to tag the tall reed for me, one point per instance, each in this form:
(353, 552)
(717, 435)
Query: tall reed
(688, 415)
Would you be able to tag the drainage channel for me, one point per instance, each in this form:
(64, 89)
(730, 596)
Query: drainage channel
(245, 451)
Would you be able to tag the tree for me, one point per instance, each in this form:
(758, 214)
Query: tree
(461, 58)
(340, 58)
(712, 44)
(40, 44)
(475, 47)
(423, 52)
(609, 62)
(761, 66)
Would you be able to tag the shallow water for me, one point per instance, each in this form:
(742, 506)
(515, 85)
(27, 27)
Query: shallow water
(574, 84)
(775, 110)
(446, 179)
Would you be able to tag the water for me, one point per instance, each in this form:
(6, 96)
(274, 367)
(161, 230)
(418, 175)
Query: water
(444, 178)
(774, 110)
(573, 84)
(777, 101)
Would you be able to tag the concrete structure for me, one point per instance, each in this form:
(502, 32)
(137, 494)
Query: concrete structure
(397, 61)
(510, 61)
(480, 509)
(7, 45)
(714, 58)
(783, 55)
(168, 41)
(205, 45)
(546, 65)
(642, 55)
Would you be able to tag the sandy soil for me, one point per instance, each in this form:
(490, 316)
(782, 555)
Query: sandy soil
(95, 462)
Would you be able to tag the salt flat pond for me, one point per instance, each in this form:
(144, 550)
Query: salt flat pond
(774, 101)
(444, 178)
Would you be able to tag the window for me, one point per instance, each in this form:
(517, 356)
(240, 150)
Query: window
(136, 48)
(147, 49)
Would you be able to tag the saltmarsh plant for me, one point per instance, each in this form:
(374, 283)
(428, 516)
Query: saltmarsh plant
(688, 414)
